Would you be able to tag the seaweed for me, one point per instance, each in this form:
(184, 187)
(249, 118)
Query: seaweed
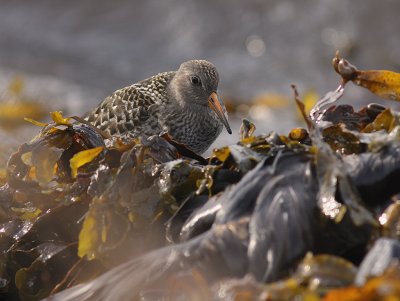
(85, 216)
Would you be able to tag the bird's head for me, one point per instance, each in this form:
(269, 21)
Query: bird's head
(196, 83)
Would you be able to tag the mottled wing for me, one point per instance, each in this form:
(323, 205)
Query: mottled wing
(133, 111)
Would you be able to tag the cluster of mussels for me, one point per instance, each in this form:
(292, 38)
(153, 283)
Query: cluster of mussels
(308, 216)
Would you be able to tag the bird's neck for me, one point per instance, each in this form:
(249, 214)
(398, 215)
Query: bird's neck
(175, 94)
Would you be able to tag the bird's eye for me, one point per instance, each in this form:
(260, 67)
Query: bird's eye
(195, 80)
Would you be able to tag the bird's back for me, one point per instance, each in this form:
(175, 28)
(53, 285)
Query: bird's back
(133, 111)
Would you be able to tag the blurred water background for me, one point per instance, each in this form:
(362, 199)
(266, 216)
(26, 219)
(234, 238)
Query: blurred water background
(72, 54)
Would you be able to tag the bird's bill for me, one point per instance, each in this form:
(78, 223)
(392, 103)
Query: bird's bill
(213, 103)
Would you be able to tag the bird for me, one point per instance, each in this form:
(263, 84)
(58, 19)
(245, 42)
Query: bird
(182, 103)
